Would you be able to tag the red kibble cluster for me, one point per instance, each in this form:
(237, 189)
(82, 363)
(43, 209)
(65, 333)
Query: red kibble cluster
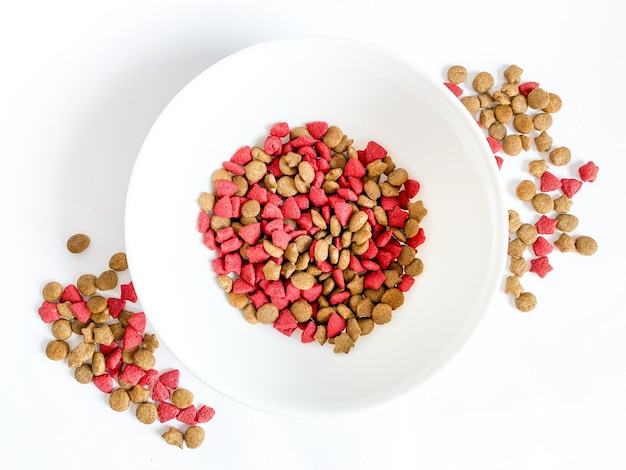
(106, 344)
(308, 217)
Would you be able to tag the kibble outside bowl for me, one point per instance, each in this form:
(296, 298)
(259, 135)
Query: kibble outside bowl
(371, 95)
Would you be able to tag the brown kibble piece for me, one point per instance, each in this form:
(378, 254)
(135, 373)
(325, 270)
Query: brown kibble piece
(542, 121)
(503, 113)
(343, 343)
(482, 82)
(526, 190)
(118, 262)
(150, 342)
(147, 413)
(566, 222)
(516, 248)
(487, 118)
(538, 98)
(194, 437)
(560, 156)
(513, 74)
(523, 123)
(542, 203)
(537, 167)
(206, 201)
(486, 101)
(139, 394)
(510, 89)
(398, 176)
(586, 245)
(457, 74)
(519, 104)
(382, 313)
(512, 144)
(513, 286)
(333, 136)
(78, 243)
(225, 282)
(86, 284)
(83, 374)
(515, 221)
(107, 280)
(61, 329)
(565, 243)
(415, 268)
(301, 310)
(173, 437)
(393, 297)
(526, 302)
(57, 350)
(80, 354)
(144, 358)
(52, 291)
(97, 304)
(562, 204)
(303, 280)
(518, 266)
(471, 103)
(554, 105)
(543, 142)
(182, 398)
(366, 325)
(267, 313)
(497, 130)
(98, 363)
(527, 233)
(103, 335)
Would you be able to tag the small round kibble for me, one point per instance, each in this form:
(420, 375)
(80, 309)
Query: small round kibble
(86, 284)
(526, 190)
(118, 262)
(566, 222)
(382, 313)
(83, 374)
(560, 156)
(527, 234)
(542, 121)
(194, 437)
(267, 313)
(497, 130)
(182, 398)
(97, 304)
(526, 301)
(144, 359)
(512, 145)
(554, 105)
(52, 291)
(61, 329)
(147, 413)
(523, 123)
(542, 203)
(483, 81)
(119, 400)
(57, 350)
(78, 243)
(457, 74)
(538, 98)
(586, 245)
(471, 103)
(503, 113)
(519, 104)
(107, 280)
(393, 297)
(515, 221)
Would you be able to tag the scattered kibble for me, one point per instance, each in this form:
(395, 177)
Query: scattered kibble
(516, 117)
(107, 345)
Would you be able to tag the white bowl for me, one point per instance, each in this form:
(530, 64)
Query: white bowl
(371, 95)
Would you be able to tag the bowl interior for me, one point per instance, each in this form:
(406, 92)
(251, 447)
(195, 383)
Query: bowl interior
(371, 96)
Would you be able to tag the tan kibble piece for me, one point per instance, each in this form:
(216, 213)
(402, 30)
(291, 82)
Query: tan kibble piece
(486, 101)
(542, 121)
(237, 300)
(150, 342)
(124, 316)
(501, 98)
(301, 310)
(98, 363)
(268, 313)
(537, 167)
(64, 310)
(306, 171)
(542, 203)
(286, 187)
(566, 222)
(118, 262)
(101, 317)
(52, 291)
(147, 413)
(382, 313)
(417, 210)
(565, 243)
(457, 74)
(497, 130)
(503, 113)
(563, 204)
(398, 176)
(366, 325)
(554, 104)
(471, 103)
(97, 304)
(518, 266)
(526, 302)
(543, 141)
(87, 332)
(107, 280)
(353, 329)
(77, 326)
(343, 343)
(486, 118)
(510, 89)
(80, 354)
(538, 98)
(586, 245)
(527, 234)
(103, 335)
(513, 286)
(411, 228)
(415, 268)
(251, 208)
(182, 398)
(515, 221)
(206, 201)
(139, 394)
(527, 142)
(173, 437)
(242, 185)
(86, 284)
(513, 73)
(523, 123)
(78, 243)
(320, 334)
(393, 297)
(144, 358)
(482, 82)
(219, 222)
(560, 156)
(333, 136)
(302, 280)
(519, 104)
(512, 144)
(61, 329)
(83, 374)
(57, 350)
(526, 190)
(249, 314)
(194, 437)
(225, 282)
(516, 248)
(118, 330)
(255, 171)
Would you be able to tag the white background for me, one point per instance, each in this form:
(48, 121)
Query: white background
(80, 85)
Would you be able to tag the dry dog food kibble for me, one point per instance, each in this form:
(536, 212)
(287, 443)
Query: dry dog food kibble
(516, 117)
(313, 228)
(107, 345)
